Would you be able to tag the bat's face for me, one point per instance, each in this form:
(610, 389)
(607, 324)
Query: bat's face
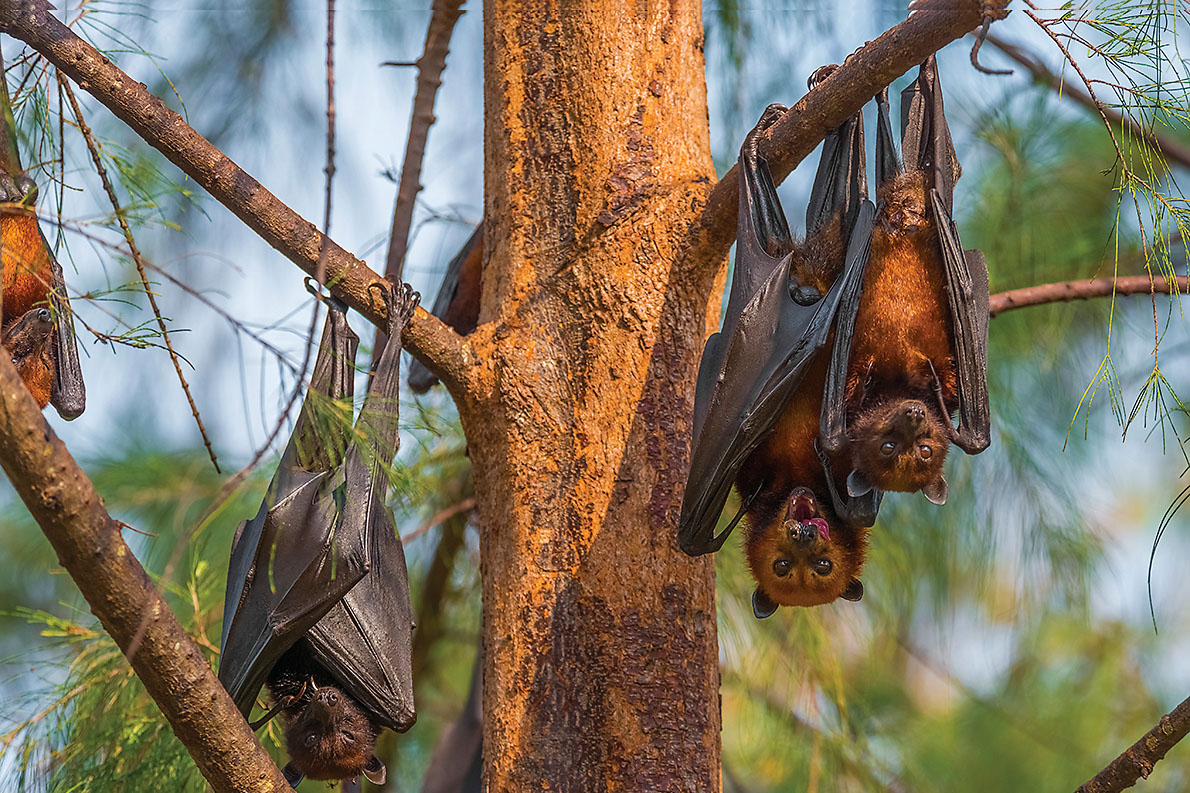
(29, 340)
(898, 445)
(800, 559)
(331, 737)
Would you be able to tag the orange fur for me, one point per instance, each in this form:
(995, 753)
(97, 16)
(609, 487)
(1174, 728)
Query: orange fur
(903, 336)
(27, 276)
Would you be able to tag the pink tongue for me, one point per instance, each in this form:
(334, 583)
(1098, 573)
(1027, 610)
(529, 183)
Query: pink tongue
(824, 530)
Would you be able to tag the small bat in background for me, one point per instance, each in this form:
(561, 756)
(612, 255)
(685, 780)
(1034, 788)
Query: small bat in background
(916, 351)
(35, 294)
(457, 303)
(317, 603)
(761, 379)
(456, 766)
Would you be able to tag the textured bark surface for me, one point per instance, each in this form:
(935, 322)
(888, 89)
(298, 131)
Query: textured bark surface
(601, 659)
(89, 545)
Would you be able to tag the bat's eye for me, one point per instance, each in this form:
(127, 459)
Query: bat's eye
(823, 567)
(887, 448)
(925, 452)
(781, 567)
(348, 737)
(311, 739)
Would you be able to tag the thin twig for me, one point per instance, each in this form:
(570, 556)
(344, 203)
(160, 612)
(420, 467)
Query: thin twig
(1172, 150)
(1067, 291)
(1137, 760)
(466, 505)
(444, 15)
(93, 148)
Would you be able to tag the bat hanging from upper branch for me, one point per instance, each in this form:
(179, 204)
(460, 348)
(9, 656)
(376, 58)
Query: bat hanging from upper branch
(811, 439)
(317, 603)
(37, 328)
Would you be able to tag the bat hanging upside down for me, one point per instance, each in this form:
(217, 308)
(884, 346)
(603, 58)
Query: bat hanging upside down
(317, 603)
(43, 351)
(793, 426)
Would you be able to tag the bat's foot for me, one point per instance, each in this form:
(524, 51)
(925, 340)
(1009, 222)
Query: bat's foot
(22, 190)
(820, 74)
(771, 115)
(402, 302)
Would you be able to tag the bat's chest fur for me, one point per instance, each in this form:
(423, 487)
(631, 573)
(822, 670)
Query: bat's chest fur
(26, 267)
(904, 324)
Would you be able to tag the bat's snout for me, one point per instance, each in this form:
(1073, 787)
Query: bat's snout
(915, 413)
(328, 697)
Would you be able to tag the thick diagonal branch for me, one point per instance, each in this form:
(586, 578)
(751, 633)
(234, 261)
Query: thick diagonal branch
(120, 593)
(440, 348)
(1067, 291)
(932, 25)
(1138, 759)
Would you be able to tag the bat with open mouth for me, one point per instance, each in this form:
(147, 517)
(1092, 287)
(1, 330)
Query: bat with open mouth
(317, 603)
(916, 351)
(37, 327)
(758, 399)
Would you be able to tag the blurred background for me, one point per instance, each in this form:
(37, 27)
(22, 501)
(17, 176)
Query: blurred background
(1006, 641)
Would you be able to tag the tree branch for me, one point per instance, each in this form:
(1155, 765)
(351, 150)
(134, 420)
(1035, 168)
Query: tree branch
(443, 16)
(1138, 759)
(1172, 150)
(931, 25)
(89, 545)
(1067, 291)
(439, 347)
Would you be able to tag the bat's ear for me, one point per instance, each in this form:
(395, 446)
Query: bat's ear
(854, 591)
(762, 605)
(859, 484)
(293, 776)
(374, 771)
(936, 491)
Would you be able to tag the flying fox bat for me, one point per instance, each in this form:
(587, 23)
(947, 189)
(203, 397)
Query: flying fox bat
(36, 326)
(759, 393)
(457, 303)
(317, 602)
(916, 351)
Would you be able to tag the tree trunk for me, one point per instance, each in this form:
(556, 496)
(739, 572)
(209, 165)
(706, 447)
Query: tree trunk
(601, 655)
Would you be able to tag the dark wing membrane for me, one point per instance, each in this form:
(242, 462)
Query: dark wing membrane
(288, 567)
(841, 182)
(927, 137)
(752, 367)
(366, 640)
(68, 394)
(457, 303)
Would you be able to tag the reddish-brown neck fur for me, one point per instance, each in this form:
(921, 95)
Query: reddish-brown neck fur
(26, 284)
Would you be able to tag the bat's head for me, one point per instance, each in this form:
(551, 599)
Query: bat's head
(904, 203)
(28, 333)
(329, 736)
(899, 445)
(804, 556)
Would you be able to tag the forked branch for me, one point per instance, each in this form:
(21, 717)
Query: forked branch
(439, 347)
(88, 542)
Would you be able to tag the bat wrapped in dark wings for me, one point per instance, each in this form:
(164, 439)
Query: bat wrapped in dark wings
(916, 350)
(761, 379)
(317, 603)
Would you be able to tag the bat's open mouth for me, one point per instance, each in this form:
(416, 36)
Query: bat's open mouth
(802, 507)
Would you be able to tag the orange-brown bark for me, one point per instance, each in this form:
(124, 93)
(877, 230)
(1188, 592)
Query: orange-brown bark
(601, 660)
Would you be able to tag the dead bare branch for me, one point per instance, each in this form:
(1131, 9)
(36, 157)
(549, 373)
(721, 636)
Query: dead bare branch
(1067, 291)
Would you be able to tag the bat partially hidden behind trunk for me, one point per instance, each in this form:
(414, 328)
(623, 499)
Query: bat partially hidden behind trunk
(317, 602)
(38, 327)
(457, 303)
